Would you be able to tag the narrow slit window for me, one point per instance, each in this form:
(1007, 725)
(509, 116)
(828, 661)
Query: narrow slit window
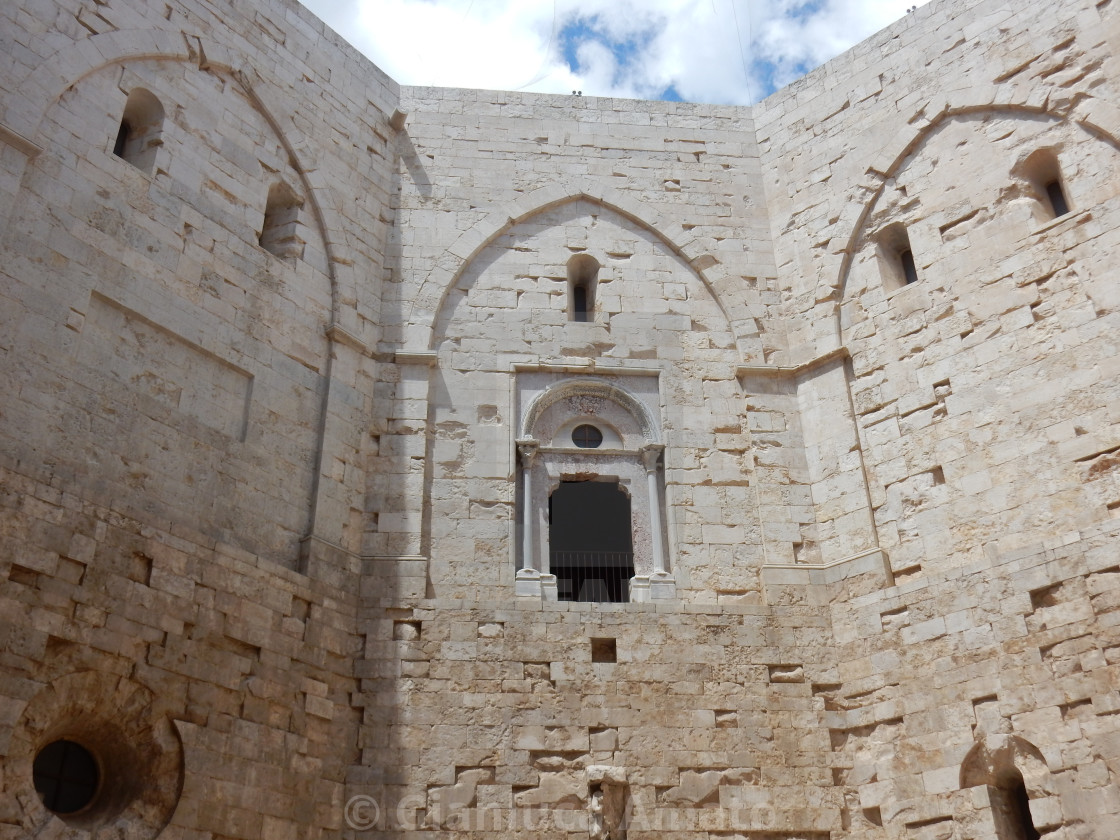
(909, 270)
(1043, 176)
(1057, 198)
(579, 303)
(896, 258)
(122, 138)
(280, 231)
(1021, 809)
(583, 277)
(140, 132)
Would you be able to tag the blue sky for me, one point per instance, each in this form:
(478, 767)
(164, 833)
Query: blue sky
(719, 51)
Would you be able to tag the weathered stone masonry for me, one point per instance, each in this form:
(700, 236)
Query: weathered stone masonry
(292, 359)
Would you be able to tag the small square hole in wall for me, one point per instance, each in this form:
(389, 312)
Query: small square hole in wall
(603, 650)
(406, 631)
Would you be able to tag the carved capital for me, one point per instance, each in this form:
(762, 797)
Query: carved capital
(651, 454)
(527, 448)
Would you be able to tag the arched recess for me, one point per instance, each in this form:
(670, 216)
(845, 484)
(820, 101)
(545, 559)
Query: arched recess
(420, 334)
(1015, 773)
(43, 85)
(590, 387)
(998, 754)
(1098, 117)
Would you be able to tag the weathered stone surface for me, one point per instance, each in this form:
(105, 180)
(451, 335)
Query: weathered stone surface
(289, 385)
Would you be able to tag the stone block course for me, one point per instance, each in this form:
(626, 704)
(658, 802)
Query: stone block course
(284, 497)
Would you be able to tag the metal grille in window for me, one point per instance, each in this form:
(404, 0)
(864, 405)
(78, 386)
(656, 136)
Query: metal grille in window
(587, 436)
(595, 576)
(66, 776)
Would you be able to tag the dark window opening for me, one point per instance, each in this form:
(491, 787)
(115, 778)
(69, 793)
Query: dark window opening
(1011, 809)
(897, 265)
(1042, 173)
(280, 230)
(1057, 198)
(580, 310)
(586, 436)
(122, 138)
(590, 547)
(583, 274)
(604, 650)
(909, 270)
(66, 776)
(1021, 810)
(141, 129)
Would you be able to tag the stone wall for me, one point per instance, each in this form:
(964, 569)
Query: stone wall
(264, 460)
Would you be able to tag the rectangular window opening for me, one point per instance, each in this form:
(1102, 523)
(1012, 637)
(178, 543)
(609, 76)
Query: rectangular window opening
(591, 550)
(581, 308)
(1057, 198)
(909, 269)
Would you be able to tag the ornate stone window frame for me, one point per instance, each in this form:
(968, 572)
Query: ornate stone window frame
(632, 455)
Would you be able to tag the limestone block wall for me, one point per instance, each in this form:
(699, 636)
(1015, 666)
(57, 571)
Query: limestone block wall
(185, 411)
(508, 315)
(141, 300)
(705, 720)
(947, 680)
(262, 511)
(666, 198)
(981, 403)
(953, 174)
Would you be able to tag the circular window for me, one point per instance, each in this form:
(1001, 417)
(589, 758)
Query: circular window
(66, 776)
(94, 752)
(586, 436)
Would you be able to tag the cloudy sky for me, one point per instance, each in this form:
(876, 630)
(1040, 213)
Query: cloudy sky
(720, 51)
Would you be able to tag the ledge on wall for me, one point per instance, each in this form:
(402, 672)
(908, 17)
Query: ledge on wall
(799, 583)
(394, 579)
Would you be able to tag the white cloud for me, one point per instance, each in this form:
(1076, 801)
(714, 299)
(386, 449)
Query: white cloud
(724, 51)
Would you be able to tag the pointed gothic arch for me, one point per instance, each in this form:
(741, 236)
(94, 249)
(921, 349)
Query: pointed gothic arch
(420, 334)
(44, 84)
(1098, 117)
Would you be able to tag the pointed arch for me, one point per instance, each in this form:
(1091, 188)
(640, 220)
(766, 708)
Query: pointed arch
(991, 759)
(42, 86)
(695, 251)
(1098, 117)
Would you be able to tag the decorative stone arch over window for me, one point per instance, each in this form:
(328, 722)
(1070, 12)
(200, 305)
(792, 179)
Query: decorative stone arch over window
(623, 446)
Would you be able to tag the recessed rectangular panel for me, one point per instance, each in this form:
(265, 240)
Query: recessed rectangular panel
(166, 367)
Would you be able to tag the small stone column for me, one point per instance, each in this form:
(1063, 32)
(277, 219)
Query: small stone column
(661, 586)
(528, 580)
(651, 455)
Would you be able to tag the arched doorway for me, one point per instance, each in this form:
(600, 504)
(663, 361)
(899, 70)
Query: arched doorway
(591, 549)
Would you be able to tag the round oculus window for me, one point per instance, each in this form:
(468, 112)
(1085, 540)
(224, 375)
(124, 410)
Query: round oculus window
(66, 776)
(587, 436)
